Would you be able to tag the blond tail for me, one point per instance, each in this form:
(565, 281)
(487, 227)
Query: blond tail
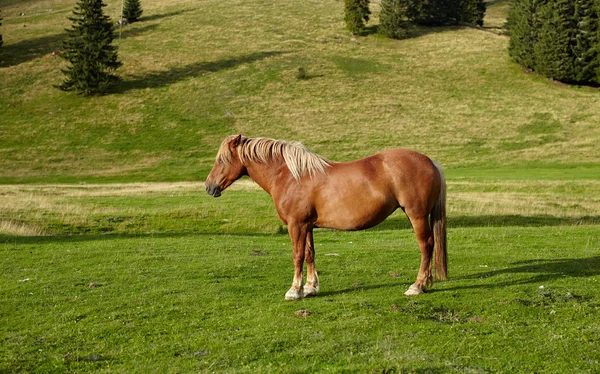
(438, 223)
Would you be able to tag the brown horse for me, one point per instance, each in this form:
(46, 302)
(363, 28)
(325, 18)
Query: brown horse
(310, 191)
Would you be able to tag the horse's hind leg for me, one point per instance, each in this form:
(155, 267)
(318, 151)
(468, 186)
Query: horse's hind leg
(311, 288)
(425, 239)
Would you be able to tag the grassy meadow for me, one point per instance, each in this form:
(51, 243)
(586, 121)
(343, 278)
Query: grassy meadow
(114, 259)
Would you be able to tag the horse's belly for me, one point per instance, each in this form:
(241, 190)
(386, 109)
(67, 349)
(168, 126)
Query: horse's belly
(354, 215)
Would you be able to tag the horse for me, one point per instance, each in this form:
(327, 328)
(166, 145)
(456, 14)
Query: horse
(310, 191)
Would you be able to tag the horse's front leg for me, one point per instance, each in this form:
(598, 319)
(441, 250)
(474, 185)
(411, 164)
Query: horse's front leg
(311, 288)
(297, 233)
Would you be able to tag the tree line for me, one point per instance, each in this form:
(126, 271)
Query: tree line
(559, 39)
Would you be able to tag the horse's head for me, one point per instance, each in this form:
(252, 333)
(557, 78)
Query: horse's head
(227, 169)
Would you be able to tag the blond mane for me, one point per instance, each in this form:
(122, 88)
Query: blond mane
(299, 160)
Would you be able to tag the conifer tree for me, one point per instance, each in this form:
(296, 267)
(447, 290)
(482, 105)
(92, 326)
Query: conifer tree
(445, 12)
(356, 15)
(1, 34)
(522, 28)
(132, 11)
(391, 19)
(88, 49)
(586, 46)
(552, 50)
(472, 12)
(433, 12)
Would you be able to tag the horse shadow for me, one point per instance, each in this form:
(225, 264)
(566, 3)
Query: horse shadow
(399, 221)
(540, 271)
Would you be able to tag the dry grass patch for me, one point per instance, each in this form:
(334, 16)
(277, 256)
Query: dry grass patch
(9, 227)
(561, 199)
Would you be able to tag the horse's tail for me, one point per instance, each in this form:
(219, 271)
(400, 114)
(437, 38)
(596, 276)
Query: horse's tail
(438, 224)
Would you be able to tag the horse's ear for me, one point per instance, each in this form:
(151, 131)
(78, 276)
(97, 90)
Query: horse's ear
(236, 141)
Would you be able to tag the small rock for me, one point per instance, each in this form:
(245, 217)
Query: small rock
(303, 313)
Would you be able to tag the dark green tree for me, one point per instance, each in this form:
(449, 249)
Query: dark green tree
(557, 38)
(392, 22)
(445, 12)
(472, 12)
(586, 44)
(1, 34)
(522, 27)
(552, 49)
(356, 14)
(92, 59)
(132, 10)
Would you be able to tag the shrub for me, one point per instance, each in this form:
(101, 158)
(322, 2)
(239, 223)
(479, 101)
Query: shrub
(1, 34)
(89, 51)
(356, 15)
(472, 12)
(392, 19)
(445, 12)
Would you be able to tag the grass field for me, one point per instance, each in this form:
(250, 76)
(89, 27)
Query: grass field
(114, 259)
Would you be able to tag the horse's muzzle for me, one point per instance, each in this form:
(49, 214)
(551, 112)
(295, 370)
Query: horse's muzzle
(213, 190)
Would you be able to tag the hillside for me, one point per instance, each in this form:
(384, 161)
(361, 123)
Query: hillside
(196, 71)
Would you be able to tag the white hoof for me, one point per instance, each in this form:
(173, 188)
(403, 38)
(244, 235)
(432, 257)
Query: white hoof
(293, 294)
(414, 290)
(310, 291)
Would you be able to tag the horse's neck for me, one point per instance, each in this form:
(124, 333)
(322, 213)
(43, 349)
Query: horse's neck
(269, 176)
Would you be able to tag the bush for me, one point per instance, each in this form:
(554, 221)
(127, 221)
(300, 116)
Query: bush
(392, 19)
(89, 51)
(445, 12)
(132, 10)
(356, 15)
(558, 39)
(472, 12)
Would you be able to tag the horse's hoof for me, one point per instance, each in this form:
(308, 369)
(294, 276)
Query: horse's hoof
(310, 291)
(414, 290)
(293, 294)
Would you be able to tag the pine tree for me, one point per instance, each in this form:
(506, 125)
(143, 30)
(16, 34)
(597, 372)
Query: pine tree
(433, 12)
(88, 49)
(391, 19)
(356, 15)
(585, 45)
(472, 12)
(1, 34)
(132, 11)
(522, 28)
(552, 50)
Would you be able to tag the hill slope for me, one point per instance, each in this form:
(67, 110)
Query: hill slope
(196, 71)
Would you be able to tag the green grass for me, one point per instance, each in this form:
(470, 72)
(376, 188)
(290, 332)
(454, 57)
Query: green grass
(161, 277)
(214, 302)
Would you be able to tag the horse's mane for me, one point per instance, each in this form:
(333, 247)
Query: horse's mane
(299, 160)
